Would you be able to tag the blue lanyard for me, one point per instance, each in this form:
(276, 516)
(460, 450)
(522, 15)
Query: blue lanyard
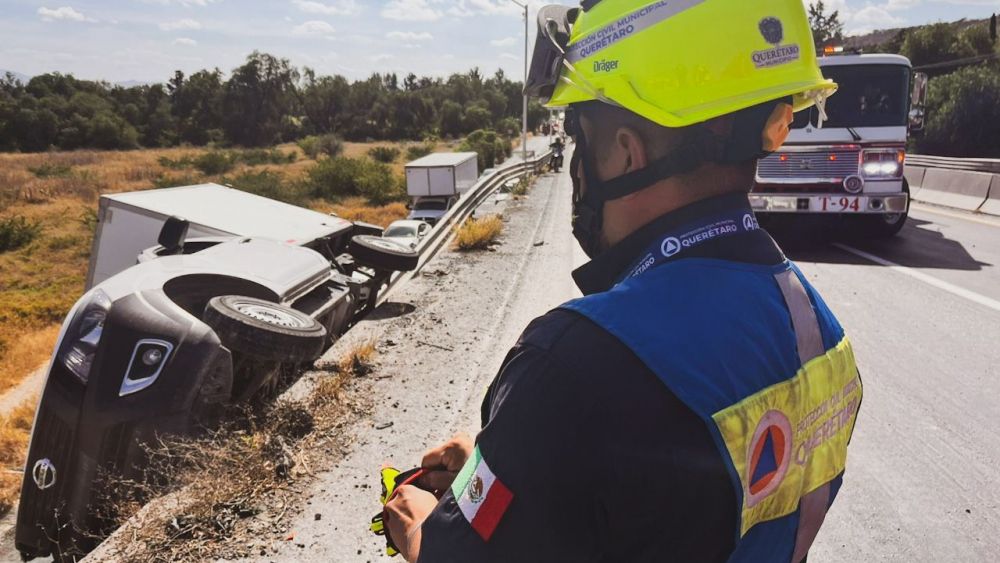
(677, 241)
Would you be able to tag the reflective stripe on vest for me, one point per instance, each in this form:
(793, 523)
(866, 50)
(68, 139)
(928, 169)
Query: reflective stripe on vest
(760, 358)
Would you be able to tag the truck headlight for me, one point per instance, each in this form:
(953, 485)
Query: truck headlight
(882, 163)
(83, 335)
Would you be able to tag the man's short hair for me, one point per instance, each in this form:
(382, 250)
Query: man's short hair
(605, 120)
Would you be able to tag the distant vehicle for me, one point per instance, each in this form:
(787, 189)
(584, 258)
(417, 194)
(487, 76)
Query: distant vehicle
(406, 232)
(442, 174)
(164, 345)
(431, 209)
(556, 162)
(852, 166)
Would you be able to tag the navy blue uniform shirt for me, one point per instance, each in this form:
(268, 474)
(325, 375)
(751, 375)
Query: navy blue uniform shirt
(603, 461)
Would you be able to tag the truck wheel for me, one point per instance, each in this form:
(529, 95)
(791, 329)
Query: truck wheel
(265, 330)
(886, 225)
(383, 254)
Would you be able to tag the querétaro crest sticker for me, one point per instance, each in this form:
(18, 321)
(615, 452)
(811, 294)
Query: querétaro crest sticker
(772, 30)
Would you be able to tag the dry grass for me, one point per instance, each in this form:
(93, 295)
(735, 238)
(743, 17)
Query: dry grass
(231, 474)
(14, 431)
(27, 351)
(357, 209)
(357, 362)
(478, 234)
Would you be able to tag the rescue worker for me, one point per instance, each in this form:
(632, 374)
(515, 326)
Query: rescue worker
(696, 404)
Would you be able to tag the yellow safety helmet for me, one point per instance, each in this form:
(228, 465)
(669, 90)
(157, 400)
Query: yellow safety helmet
(677, 62)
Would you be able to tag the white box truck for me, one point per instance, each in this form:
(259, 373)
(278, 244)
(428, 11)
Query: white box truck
(442, 174)
(129, 223)
(436, 181)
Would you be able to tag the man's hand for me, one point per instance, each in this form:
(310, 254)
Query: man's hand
(444, 462)
(406, 512)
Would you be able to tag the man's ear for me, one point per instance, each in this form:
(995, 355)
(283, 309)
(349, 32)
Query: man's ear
(633, 149)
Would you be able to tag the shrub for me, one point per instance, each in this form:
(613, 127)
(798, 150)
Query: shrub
(414, 152)
(268, 184)
(963, 114)
(478, 234)
(168, 181)
(17, 231)
(489, 145)
(179, 164)
(339, 177)
(50, 170)
(214, 162)
(257, 157)
(315, 145)
(384, 154)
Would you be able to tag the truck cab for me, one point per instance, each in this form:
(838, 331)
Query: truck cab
(851, 164)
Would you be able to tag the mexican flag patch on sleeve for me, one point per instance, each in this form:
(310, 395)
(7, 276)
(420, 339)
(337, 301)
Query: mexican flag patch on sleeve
(482, 498)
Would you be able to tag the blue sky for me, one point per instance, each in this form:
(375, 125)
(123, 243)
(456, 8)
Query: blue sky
(146, 40)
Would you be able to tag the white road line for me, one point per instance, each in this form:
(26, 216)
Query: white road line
(963, 216)
(929, 280)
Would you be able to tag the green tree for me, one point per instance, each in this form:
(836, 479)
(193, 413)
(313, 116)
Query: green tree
(825, 27)
(258, 98)
(963, 114)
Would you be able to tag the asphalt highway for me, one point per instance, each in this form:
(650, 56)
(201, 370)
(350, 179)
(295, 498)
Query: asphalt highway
(923, 312)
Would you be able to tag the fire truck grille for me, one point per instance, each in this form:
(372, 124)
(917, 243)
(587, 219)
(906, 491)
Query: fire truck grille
(832, 165)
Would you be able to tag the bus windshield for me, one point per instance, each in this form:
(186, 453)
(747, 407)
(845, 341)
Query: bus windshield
(869, 96)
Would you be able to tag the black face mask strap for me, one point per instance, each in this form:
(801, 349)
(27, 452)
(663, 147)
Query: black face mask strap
(698, 146)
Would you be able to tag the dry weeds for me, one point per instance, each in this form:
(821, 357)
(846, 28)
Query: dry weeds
(478, 234)
(357, 209)
(250, 467)
(14, 431)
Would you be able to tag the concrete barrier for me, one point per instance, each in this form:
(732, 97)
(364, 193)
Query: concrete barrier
(992, 203)
(955, 188)
(914, 177)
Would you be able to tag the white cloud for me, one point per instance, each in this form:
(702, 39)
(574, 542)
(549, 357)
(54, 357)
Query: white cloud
(63, 13)
(509, 56)
(409, 36)
(334, 8)
(382, 57)
(505, 42)
(185, 3)
(411, 10)
(488, 7)
(185, 23)
(186, 41)
(871, 18)
(313, 27)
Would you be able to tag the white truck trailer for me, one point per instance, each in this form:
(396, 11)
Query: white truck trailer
(128, 223)
(852, 166)
(443, 174)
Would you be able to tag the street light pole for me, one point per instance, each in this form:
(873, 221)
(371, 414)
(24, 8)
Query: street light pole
(524, 108)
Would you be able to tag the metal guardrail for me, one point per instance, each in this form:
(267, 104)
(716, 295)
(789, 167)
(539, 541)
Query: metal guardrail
(991, 165)
(441, 233)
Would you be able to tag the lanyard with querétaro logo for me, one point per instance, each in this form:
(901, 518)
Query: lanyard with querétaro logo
(676, 241)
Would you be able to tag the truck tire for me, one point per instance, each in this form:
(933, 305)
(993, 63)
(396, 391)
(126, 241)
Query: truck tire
(383, 254)
(886, 225)
(265, 330)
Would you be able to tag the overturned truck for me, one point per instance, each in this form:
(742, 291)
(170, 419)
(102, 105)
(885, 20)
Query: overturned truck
(196, 324)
